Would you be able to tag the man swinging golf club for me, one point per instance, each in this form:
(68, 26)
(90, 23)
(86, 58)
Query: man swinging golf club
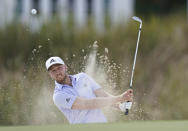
(78, 96)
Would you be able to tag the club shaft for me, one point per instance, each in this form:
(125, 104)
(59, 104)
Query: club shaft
(134, 63)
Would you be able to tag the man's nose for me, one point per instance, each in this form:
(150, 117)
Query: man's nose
(58, 72)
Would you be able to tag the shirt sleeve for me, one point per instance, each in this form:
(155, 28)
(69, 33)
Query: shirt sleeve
(93, 84)
(64, 100)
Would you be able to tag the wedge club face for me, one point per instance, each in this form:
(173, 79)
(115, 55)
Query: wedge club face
(137, 19)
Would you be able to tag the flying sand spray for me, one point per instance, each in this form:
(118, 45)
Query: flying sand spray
(125, 107)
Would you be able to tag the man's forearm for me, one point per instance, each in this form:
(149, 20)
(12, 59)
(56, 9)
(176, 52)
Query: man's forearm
(95, 103)
(102, 93)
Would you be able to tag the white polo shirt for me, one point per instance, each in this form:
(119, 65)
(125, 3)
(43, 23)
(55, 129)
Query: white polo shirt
(65, 95)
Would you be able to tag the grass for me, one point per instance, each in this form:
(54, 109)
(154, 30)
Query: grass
(130, 126)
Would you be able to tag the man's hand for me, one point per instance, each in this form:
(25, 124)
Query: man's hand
(127, 96)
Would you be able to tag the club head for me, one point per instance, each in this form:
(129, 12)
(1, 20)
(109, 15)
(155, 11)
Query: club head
(137, 19)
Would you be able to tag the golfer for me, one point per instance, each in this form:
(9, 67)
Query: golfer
(78, 96)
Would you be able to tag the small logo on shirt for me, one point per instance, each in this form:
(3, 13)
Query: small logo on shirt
(52, 60)
(67, 100)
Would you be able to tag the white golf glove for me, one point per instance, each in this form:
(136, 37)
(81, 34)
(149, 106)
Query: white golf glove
(125, 105)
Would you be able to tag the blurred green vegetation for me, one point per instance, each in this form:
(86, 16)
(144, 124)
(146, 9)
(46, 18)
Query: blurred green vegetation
(160, 77)
(132, 125)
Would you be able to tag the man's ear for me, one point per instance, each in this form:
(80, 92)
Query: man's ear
(50, 75)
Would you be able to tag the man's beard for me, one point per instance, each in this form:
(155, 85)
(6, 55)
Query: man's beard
(62, 80)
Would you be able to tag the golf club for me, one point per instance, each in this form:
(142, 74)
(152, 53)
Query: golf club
(127, 105)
